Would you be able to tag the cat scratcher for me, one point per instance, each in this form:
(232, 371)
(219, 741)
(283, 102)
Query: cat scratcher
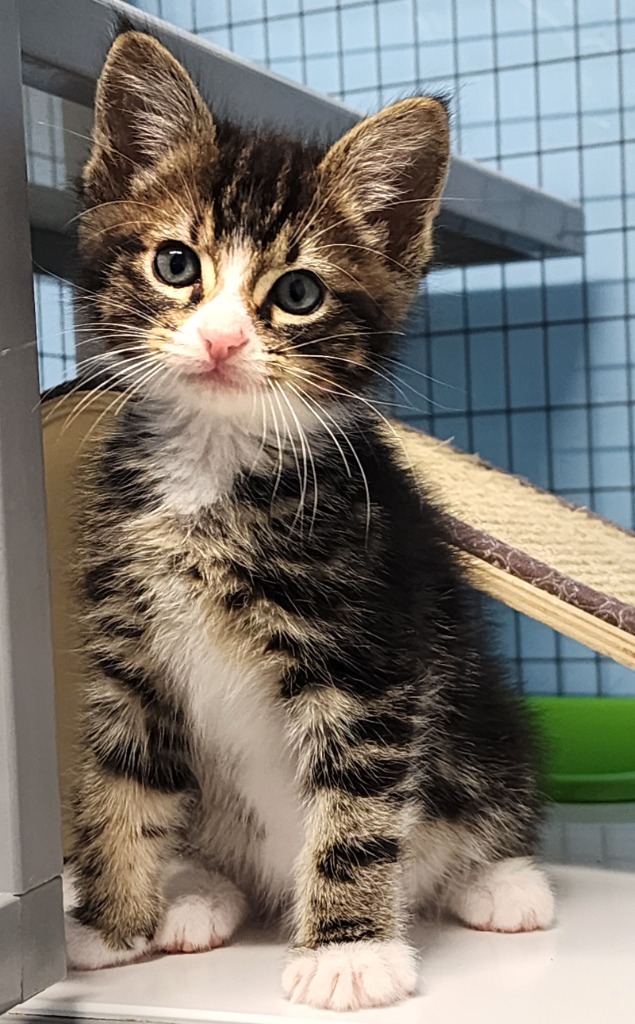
(557, 563)
(553, 561)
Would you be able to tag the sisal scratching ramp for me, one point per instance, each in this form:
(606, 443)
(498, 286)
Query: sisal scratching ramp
(557, 563)
(528, 549)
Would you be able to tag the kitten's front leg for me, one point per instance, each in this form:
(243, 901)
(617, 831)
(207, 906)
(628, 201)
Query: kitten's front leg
(132, 783)
(350, 950)
(122, 837)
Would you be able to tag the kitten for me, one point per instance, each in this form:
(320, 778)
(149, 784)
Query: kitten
(290, 701)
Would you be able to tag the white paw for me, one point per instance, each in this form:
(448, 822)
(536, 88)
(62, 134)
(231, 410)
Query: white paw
(511, 896)
(351, 975)
(201, 920)
(87, 951)
(204, 910)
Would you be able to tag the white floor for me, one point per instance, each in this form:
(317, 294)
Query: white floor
(582, 971)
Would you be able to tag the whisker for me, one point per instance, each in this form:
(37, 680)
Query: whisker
(339, 428)
(359, 398)
(300, 392)
(88, 138)
(95, 425)
(47, 336)
(363, 366)
(116, 306)
(121, 401)
(376, 252)
(288, 433)
(113, 202)
(263, 439)
(319, 376)
(118, 375)
(357, 282)
(311, 215)
(280, 455)
(420, 373)
(291, 347)
(394, 381)
(306, 452)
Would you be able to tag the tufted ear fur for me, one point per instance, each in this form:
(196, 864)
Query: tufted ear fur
(146, 105)
(388, 173)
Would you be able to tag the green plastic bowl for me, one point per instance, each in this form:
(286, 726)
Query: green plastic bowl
(590, 747)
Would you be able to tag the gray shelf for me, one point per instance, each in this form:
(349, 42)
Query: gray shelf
(484, 218)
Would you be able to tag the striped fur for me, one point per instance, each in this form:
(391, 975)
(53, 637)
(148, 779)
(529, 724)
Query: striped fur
(286, 677)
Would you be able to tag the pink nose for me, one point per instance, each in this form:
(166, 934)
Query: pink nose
(221, 345)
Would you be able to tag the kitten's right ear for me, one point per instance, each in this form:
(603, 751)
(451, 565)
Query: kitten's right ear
(146, 105)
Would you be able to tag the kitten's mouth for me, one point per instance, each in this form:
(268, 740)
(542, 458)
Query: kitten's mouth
(228, 375)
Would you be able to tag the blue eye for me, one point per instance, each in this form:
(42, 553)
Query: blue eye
(177, 265)
(299, 292)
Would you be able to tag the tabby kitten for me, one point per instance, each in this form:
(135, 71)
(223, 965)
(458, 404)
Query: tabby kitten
(289, 699)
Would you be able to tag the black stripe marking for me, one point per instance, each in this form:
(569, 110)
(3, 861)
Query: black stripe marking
(344, 860)
(126, 245)
(341, 929)
(130, 678)
(236, 600)
(445, 799)
(282, 642)
(375, 778)
(103, 581)
(110, 625)
(154, 762)
(128, 482)
(154, 832)
(143, 739)
(384, 729)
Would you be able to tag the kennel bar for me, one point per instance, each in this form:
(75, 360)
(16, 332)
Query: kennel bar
(484, 218)
(31, 933)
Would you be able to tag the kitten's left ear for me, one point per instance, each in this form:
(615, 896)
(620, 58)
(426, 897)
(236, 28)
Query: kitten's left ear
(388, 173)
(146, 105)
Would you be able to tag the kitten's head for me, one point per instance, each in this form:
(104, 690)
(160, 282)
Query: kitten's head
(223, 262)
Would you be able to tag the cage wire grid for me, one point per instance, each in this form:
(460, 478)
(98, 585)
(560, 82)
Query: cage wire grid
(531, 364)
(46, 165)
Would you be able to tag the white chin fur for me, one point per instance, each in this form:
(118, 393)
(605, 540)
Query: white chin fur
(513, 895)
(351, 975)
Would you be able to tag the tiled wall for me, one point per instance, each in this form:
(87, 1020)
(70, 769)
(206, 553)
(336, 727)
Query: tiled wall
(533, 363)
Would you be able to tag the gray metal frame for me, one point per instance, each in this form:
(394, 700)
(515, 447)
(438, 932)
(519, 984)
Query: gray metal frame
(31, 933)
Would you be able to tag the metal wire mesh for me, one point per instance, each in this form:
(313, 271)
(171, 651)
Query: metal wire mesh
(55, 330)
(47, 165)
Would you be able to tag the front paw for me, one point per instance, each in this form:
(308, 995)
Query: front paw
(87, 950)
(351, 975)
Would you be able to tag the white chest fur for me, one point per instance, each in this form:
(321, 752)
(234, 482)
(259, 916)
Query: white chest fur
(241, 736)
(203, 461)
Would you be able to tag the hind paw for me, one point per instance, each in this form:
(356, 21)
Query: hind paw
(201, 920)
(512, 895)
